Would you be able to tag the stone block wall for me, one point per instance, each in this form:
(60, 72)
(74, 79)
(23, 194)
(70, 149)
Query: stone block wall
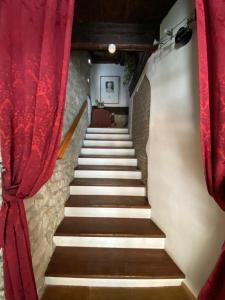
(46, 209)
(121, 121)
(140, 125)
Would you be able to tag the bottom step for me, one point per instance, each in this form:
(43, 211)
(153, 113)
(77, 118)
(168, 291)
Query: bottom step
(112, 267)
(89, 293)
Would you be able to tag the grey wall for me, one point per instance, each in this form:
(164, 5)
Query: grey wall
(98, 70)
(46, 209)
(140, 128)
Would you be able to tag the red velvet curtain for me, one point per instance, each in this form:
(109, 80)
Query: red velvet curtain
(34, 53)
(211, 52)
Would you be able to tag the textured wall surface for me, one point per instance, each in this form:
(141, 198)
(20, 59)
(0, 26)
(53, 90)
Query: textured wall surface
(181, 206)
(46, 209)
(121, 121)
(140, 127)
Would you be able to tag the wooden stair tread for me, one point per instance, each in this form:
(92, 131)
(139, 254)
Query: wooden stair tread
(106, 156)
(107, 201)
(114, 227)
(90, 262)
(102, 293)
(107, 182)
(107, 168)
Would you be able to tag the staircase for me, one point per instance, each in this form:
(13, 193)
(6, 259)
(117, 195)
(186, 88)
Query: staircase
(107, 238)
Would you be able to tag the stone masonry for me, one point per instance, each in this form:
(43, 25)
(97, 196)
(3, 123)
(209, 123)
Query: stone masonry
(140, 127)
(46, 209)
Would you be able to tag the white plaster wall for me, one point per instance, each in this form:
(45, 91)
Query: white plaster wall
(98, 70)
(193, 223)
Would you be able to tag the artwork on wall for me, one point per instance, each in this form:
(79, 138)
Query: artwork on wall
(109, 89)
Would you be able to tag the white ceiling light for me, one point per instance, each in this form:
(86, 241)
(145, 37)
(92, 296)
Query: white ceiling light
(112, 48)
(89, 61)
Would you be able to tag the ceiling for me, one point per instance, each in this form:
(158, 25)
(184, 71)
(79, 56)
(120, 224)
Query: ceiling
(130, 24)
(101, 57)
(122, 11)
(104, 57)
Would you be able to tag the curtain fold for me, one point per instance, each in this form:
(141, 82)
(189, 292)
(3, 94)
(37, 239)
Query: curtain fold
(34, 54)
(211, 53)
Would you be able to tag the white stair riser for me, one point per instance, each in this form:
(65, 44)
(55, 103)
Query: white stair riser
(112, 282)
(91, 151)
(108, 161)
(108, 212)
(107, 130)
(109, 242)
(107, 190)
(107, 174)
(103, 136)
(100, 143)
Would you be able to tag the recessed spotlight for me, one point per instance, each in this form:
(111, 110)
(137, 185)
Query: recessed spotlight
(89, 61)
(112, 48)
(88, 80)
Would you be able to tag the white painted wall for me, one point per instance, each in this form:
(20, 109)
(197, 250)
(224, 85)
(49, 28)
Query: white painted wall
(193, 223)
(98, 70)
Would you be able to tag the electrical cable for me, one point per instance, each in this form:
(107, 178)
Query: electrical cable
(170, 32)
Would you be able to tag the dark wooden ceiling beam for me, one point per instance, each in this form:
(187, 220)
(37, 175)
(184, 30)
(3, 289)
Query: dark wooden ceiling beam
(127, 37)
(120, 47)
(122, 11)
(104, 57)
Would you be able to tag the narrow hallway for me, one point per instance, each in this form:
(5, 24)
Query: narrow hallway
(107, 238)
(112, 147)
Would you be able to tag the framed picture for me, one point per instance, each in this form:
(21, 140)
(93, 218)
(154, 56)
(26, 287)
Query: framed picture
(109, 89)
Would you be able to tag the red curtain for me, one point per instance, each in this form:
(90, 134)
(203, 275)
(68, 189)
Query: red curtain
(211, 52)
(34, 53)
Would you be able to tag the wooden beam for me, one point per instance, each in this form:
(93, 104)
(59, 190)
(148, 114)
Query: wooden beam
(127, 37)
(104, 57)
(142, 60)
(120, 47)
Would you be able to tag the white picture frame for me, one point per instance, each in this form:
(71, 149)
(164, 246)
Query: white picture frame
(109, 89)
